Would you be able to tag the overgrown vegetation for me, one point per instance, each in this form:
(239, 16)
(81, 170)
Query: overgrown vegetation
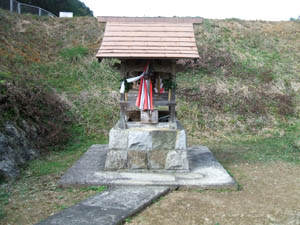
(246, 81)
(241, 98)
(55, 6)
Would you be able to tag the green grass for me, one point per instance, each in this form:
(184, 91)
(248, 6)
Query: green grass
(282, 145)
(234, 100)
(62, 157)
(4, 196)
(94, 188)
(74, 54)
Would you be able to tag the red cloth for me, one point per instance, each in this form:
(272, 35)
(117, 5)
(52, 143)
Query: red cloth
(147, 93)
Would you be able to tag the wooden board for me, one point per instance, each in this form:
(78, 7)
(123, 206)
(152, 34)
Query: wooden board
(161, 39)
(148, 34)
(149, 43)
(148, 29)
(148, 40)
(169, 20)
(149, 51)
(114, 47)
(146, 55)
(150, 24)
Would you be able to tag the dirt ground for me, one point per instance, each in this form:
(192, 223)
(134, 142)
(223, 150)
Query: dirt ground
(34, 199)
(270, 194)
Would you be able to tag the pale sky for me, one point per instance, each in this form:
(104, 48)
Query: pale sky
(212, 9)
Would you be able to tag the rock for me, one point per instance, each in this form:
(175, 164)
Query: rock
(181, 140)
(15, 150)
(177, 160)
(110, 207)
(117, 139)
(296, 144)
(163, 139)
(137, 159)
(157, 159)
(139, 140)
(154, 142)
(116, 159)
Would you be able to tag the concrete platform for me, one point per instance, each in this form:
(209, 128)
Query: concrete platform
(206, 172)
(110, 207)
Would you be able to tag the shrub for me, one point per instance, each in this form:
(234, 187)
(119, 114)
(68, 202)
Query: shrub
(74, 54)
(27, 99)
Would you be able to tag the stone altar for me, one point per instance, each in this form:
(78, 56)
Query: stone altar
(147, 147)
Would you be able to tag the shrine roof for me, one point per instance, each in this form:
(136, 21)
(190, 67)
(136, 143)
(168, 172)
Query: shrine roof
(141, 37)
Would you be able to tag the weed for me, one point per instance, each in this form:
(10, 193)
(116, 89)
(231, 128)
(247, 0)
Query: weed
(94, 188)
(4, 199)
(63, 156)
(74, 54)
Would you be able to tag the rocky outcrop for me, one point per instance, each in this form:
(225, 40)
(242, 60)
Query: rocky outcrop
(15, 148)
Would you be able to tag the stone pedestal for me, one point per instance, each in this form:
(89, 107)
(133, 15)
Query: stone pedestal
(147, 147)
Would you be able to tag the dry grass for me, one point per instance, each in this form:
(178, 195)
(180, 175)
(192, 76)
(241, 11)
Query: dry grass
(269, 195)
(245, 91)
(36, 198)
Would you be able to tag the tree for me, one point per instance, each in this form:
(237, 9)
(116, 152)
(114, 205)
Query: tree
(55, 6)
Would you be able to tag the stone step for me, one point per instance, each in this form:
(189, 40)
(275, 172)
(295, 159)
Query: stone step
(205, 172)
(110, 207)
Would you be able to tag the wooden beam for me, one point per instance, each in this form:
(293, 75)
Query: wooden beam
(149, 24)
(149, 43)
(149, 51)
(173, 97)
(144, 55)
(145, 39)
(122, 98)
(158, 103)
(126, 47)
(148, 29)
(147, 34)
(169, 20)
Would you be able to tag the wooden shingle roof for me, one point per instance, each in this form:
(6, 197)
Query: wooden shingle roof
(148, 40)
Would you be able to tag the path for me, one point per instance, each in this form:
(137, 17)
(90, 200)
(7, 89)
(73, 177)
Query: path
(107, 208)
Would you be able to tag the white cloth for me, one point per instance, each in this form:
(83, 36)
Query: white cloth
(130, 80)
(142, 97)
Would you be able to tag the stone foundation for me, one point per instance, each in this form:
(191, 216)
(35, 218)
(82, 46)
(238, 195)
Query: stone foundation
(147, 147)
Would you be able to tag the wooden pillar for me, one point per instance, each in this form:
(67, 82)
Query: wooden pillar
(122, 99)
(19, 8)
(11, 5)
(173, 97)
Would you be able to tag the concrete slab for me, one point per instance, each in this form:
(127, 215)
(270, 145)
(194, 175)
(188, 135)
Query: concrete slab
(206, 172)
(107, 208)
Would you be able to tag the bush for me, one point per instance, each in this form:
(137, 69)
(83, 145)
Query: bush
(74, 54)
(29, 100)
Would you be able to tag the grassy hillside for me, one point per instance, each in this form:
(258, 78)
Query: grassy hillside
(241, 98)
(244, 87)
(55, 57)
(246, 83)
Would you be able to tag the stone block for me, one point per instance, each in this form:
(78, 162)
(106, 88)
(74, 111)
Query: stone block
(181, 140)
(146, 117)
(137, 159)
(157, 159)
(177, 160)
(163, 139)
(117, 139)
(139, 140)
(116, 159)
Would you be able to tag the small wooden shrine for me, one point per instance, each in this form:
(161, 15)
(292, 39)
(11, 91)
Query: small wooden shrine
(148, 49)
(157, 42)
